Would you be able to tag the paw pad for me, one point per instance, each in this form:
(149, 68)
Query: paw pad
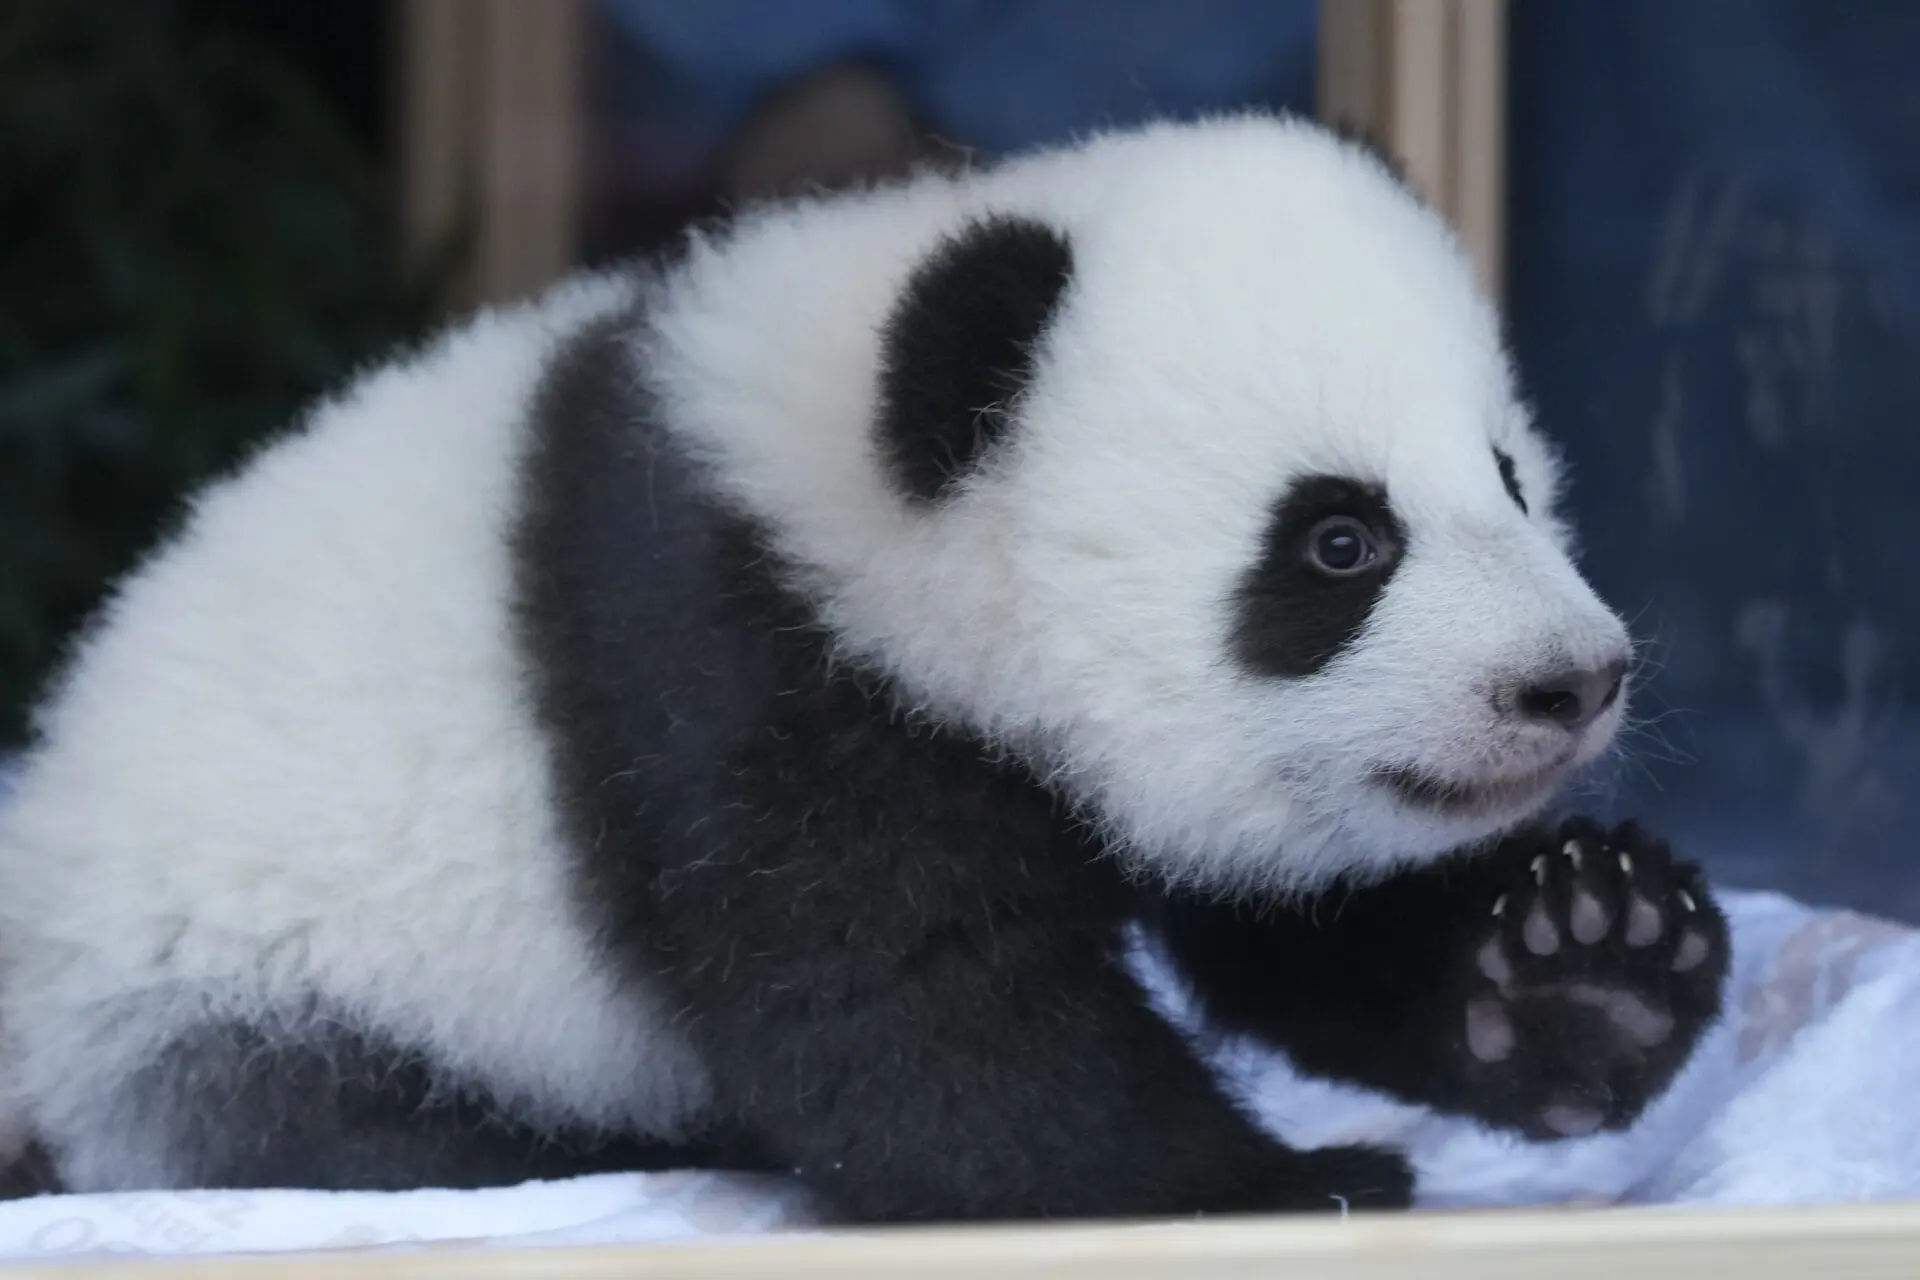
(1638, 1020)
(1493, 964)
(1598, 967)
(1539, 933)
(1588, 918)
(1489, 1031)
(1573, 1121)
(1644, 925)
(1691, 953)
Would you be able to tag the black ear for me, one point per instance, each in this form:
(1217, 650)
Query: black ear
(959, 347)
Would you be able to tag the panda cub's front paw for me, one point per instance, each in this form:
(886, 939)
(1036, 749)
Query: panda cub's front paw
(1600, 962)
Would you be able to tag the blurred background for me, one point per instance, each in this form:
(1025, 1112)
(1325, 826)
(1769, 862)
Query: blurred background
(1702, 220)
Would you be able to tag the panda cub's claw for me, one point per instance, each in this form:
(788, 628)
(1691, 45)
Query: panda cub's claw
(1599, 964)
(1339, 1180)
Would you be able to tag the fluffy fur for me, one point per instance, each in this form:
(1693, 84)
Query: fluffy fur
(719, 712)
(293, 761)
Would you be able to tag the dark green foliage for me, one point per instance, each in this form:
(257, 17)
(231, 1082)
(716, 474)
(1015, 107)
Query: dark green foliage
(194, 248)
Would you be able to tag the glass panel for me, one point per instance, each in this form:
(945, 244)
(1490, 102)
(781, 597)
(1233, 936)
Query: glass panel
(685, 89)
(1715, 247)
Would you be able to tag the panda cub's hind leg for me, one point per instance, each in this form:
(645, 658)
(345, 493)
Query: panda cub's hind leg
(314, 1104)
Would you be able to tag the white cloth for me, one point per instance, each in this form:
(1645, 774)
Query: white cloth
(1804, 1093)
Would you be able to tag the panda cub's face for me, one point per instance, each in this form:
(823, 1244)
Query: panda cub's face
(1277, 585)
(1184, 463)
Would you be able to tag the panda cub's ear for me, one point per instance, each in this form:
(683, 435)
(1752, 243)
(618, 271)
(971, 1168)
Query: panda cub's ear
(959, 348)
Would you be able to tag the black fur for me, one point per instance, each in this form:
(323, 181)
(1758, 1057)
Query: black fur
(959, 348)
(1375, 986)
(1290, 620)
(898, 958)
(316, 1105)
(30, 1173)
(1509, 478)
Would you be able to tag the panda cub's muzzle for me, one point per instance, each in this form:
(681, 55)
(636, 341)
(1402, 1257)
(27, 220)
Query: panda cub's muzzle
(1578, 707)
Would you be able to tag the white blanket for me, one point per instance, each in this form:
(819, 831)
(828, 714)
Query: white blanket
(1805, 1092)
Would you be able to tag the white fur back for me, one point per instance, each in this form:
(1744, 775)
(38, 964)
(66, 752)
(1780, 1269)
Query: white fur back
(295, 758)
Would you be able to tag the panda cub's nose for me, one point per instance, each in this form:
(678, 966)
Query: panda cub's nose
(1572, 699)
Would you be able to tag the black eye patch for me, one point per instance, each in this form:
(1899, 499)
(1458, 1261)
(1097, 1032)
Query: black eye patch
(1510, 479)
(1295, 611)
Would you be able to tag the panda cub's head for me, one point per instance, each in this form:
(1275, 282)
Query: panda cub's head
(1186, 463)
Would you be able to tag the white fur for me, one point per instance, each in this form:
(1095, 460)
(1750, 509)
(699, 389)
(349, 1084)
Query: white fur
(295, 756)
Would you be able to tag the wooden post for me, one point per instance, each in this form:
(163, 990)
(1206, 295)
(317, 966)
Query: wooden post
(1427, 80)
(492, 128)
(1785, 1242)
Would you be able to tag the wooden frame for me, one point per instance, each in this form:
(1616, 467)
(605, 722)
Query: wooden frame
(493, 97)
(1427, 80)
(493, 112)
(1858, 1242)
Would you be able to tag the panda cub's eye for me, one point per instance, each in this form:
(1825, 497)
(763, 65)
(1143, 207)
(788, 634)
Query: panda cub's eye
(1341, 546)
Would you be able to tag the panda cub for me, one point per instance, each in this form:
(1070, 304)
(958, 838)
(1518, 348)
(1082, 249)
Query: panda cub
(732, 712)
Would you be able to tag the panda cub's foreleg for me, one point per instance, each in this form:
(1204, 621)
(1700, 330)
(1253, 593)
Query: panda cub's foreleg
(1554, 985)
(913, 996)
(940, 1100)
